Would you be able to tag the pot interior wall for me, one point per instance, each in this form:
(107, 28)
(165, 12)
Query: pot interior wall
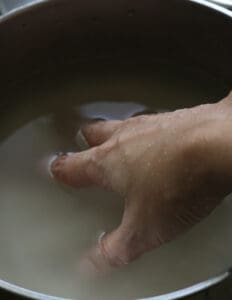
(58, 33)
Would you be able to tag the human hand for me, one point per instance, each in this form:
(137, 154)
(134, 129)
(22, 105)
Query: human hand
(165, 166)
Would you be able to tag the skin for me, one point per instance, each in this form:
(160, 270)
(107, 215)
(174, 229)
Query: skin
(172, 169)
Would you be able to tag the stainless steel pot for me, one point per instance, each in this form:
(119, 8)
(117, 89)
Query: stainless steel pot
(9, 5)
(225, 3)
(46, 35)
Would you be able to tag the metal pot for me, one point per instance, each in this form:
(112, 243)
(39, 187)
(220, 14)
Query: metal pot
(226, 3)
(47, 35)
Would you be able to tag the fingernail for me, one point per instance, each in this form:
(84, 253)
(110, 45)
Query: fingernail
(59, 154)
(96, 120)
(56, 157)
(145, 112)
(101, 236)
(81, 141)
(51, 159)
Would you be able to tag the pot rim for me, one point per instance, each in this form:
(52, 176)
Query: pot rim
(226, 3)
(27, 293)
(35, 3)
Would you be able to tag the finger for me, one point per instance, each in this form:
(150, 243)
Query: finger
(115, 249)
(78, 169)
(97, 133)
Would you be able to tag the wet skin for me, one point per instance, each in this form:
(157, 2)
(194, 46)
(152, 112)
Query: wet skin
(172, 169)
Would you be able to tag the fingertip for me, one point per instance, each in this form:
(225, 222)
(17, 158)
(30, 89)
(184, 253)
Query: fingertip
(56, 165)
(76, 169)
(56, 162)
(97, 132)
(103, 258)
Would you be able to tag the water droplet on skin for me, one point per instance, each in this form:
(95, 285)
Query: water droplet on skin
(148, 164)
(159, 161)
(165, 153)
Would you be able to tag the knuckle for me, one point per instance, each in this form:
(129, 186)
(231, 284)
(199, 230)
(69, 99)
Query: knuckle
(89, 133)
(87, 130)
(122, 253)
(132, 248)
(97, 155)
(127, 256)
(136, 120)
(123, 257)
(95, 168)
(141, 119)
(93, 128)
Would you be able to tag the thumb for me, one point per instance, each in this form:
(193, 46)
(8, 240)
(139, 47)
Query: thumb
(115, 249)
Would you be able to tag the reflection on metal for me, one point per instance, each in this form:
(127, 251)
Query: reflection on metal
(1, 8)
(226, 3)
(8, 5)
(11, 5)
(26, 293)
(214, 5)
(171, 296)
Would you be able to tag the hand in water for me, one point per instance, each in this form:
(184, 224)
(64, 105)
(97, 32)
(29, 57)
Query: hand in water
(171, 168)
